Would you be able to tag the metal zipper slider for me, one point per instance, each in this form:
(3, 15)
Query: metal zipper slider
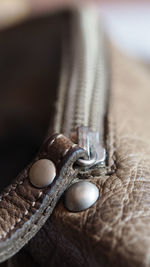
(83, 194)
(90, 142)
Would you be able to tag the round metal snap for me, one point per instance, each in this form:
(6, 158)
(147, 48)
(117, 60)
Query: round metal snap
(81, 196)
(42, 173)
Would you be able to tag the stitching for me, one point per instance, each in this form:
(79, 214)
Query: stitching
(4, 234)
(56, 194)
(52, 200)
(40, 193)
(26, 212)
(58, 136)
(19, 220)
(68, 149)
(33, 203)
(53, 140)
(65, 152)
(74, 145)
(22, 181)
(12, 189)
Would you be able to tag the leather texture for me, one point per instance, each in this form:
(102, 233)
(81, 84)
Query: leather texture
(24, 208)
(21, 259)
(116, 230)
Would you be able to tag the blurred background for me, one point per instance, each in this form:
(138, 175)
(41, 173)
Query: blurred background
(126, 22)
(128, 25)
(28, 66)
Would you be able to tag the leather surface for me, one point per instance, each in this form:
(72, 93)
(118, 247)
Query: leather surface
(116, 230)
(21, 259)
(24, 208)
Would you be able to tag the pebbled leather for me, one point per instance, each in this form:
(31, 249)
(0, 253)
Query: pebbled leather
(116, 230)
(24, 208)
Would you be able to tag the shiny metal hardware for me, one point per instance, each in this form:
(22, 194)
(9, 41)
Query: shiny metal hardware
(88, 162)
(81, 196)
(83, 139)
(90, 142)
(42, 173)
(98, 148)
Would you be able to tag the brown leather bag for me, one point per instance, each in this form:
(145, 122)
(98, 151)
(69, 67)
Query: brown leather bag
(60, 73)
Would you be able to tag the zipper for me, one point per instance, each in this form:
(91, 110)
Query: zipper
(82, 97)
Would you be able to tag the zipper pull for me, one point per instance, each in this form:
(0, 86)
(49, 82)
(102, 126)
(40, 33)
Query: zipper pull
(90, 142)
(82, 195)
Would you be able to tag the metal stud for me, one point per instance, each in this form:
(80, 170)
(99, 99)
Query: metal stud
(42, 173)
(81, 196)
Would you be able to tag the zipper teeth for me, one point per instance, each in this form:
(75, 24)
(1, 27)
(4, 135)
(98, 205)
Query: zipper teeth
(63, 85)
(99, 96)
(82, 90)
(87, 54)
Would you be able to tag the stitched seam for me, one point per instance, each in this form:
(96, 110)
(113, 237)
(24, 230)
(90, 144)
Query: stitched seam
(52, 200)
(20, 219)
(56, 194)
(67, 149)
(13, 188)
(40, 193)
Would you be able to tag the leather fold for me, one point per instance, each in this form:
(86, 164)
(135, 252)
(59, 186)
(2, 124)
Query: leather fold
(24, 208)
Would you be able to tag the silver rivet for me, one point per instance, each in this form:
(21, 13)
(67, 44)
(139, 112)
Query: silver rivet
(42, 173)
(81, 196)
